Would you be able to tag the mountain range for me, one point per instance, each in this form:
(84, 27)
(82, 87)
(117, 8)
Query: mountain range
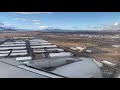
(62, 30)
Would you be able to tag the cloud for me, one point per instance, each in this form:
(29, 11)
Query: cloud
(32, 12)
(44, 27)
(113, 26)
(35, 20)
(47, 27)
(22, 19)
(36, 23)
(116, 24)
(6, 26)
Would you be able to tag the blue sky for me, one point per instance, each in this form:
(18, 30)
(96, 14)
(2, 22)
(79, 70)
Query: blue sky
(62, 20)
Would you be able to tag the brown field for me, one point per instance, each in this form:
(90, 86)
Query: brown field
(68, 41)
(73, 40)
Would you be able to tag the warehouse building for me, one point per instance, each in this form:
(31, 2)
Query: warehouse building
(30, 57)
(31, 48)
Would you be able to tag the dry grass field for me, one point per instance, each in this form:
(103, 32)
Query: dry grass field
(74, 40)
(113, 54)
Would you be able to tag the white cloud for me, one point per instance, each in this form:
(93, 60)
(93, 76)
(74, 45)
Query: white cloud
(35, 20)
(91, 26)
(22, 19)
(116, 24)
(37, 23)
(6, 25)
(9, 25)
(45, 27)
(32, 12)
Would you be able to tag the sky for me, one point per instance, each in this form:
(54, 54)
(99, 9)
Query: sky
(61, 20)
